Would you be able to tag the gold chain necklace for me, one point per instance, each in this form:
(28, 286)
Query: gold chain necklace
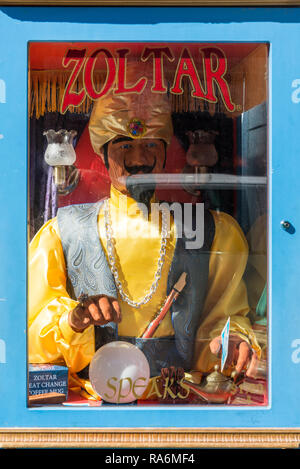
(113, 263)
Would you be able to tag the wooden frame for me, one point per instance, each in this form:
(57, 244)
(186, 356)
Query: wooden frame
(146, 438)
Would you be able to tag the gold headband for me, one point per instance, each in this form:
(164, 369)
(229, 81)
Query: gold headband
(144, 115)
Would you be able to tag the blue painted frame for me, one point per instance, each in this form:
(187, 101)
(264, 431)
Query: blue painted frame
(278, 26)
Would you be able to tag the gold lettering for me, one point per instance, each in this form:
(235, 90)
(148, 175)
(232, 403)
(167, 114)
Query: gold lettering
(135, 385)
(154, 390)
(184, 386)
(167, 388)
(109, 385)
(120, 395)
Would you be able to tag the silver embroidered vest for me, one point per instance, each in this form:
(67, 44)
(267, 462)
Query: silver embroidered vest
(89, 273)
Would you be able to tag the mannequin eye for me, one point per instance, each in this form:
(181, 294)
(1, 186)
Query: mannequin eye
(126, 146)
(151, 145)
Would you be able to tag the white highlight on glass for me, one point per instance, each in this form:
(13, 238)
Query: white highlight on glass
(2, 91)
(296, 353)
(296, 93)
(2, 351)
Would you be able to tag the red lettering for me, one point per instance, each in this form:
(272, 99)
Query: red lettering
(89, 72)
(214, 71)
(216, 76)
(186, 67)
(122, 88)
(158, 53)
(71, 97)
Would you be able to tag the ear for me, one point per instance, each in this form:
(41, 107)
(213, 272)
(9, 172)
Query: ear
(101, 153)
(104, 154)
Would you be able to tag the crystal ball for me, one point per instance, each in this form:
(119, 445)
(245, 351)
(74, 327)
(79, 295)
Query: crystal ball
(119, 372)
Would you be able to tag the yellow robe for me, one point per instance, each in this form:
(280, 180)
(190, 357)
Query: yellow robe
(51, 340)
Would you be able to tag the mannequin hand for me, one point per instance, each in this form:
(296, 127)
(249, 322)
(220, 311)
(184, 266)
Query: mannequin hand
(169, 384)
(95, 310)
(240, 354)
(172, 372)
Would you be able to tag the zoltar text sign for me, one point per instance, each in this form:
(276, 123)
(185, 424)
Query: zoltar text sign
(204, 80)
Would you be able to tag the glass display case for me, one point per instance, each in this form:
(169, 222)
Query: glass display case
(168, 143)
(149, 196)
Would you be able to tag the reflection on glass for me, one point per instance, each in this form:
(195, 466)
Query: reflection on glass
(159, 170)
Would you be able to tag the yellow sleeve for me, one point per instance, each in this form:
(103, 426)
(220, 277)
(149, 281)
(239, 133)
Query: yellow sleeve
(256, 272)
(50, 338)
(226, 293)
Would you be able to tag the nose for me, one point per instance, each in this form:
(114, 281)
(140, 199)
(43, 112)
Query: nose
(139, 156)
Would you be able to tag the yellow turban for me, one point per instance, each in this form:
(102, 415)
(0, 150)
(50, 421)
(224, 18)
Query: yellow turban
(136, 115)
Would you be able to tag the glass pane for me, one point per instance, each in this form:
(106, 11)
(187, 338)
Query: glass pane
(148, 224)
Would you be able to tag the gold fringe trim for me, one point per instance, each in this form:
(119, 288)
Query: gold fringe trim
(47, 90)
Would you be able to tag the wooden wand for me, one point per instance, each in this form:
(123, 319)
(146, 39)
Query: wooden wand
(176, 290)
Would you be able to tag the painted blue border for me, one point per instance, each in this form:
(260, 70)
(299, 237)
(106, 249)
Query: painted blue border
(278, 26)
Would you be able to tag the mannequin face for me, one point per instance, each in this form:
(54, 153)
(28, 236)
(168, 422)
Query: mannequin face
(127, 157)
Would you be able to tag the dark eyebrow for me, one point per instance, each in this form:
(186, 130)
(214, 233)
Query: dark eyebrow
(122, 139)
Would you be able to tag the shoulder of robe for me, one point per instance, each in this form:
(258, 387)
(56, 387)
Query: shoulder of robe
(228, 232)
(50, 228)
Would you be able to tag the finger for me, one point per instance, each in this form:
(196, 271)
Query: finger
(236, 354)
(117, 310)
(81, 316)
(232, 354)
(78, 319)
(233, 349)
(252, 369)
(172, 372)
(106, 309)
(86, 320)
(85, 300)
(244, 353)
(94, 312)
(88, 304)
(215, 345)
(180, 373)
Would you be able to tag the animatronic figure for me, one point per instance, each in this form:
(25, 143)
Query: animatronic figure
(125, 263)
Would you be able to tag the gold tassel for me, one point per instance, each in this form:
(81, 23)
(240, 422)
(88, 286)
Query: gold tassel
(43, 95)
(61, 89)
(36, 96)
(53, 93)
(47, 90)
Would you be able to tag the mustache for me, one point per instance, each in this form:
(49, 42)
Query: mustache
(142, 168)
